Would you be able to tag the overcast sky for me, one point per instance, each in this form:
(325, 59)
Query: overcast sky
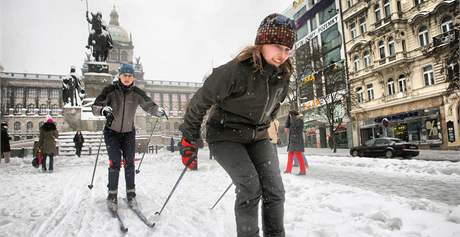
(176, 40)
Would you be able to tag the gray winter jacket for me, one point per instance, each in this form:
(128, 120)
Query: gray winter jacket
(124, 102)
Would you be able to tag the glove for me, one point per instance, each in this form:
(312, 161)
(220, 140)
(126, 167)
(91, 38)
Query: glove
(189, 153)
(107, 112)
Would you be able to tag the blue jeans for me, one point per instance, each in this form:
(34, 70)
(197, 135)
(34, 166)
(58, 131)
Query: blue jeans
(119, 144)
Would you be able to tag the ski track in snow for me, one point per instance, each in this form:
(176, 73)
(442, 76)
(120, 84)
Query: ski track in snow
(338, 197)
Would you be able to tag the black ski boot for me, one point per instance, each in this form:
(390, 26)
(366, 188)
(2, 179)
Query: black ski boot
(112, 202)
(131, 197)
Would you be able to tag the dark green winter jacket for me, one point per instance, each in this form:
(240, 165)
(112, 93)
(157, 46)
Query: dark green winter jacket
(124, 102)
(243, 103)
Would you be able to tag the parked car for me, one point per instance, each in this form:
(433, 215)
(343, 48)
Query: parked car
(386, 147)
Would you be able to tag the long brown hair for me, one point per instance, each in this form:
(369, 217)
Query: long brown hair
(254, 52)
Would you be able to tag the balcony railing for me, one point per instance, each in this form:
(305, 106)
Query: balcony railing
(445, 38)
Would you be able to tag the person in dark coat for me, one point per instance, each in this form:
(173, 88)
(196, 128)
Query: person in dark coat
(294, 126)
(5, 144)
(47, 142)
(245, 96)
(78, 140)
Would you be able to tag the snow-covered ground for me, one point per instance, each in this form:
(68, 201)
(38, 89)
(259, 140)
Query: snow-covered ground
(340, 196)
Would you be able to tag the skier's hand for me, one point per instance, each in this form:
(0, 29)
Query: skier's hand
(160, 113)
(188, 149)
(107, 112)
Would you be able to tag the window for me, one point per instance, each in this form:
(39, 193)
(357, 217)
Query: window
(362, 24)
(382, 49)
(398, 6)
(370, 91)
(377, 12)
(55, 93)
(29, 126)
(353, 30)
(402, 83)
(391, 86)
(43, 93)
(391, 46)
(17, 126)
(367, 60)
(43, 109)
(423, 36)
(418, 2)
(30, 108)
(313, 24)
(32, 93)
(18, 109)
(124, 56)
(359, 95)
(428, 75)
(386, 8)
(356, 63)
(350, 3)
(446, 24)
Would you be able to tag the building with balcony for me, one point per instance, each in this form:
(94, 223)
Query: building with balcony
(319, 47)
(400, 54)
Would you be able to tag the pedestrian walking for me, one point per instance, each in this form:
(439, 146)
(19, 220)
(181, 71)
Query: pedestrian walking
(294, 127)
(47, 143)
(246, 94)
(5, 144)
(118, 103)
(78, 140)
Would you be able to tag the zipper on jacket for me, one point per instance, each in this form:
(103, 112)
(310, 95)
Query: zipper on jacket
(266, 101)
(123, 114)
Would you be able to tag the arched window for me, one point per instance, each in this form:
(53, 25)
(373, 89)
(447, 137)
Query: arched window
(423, 36)
(29, 126)
(18, 109)
(30, 108)
(402, 83)
(124, 56)
(382, 49)
(391, 46)
(446, 24)
(17, 126)
(391, 86)
(114, 55)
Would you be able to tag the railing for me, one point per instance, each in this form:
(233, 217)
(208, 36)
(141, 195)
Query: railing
(445, 38)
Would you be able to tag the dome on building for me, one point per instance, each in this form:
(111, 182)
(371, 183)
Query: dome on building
(119, 35)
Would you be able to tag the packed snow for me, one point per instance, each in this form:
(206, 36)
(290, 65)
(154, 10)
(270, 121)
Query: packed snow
(33, 203)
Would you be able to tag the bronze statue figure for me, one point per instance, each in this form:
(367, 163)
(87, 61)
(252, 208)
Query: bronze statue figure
(99, 38)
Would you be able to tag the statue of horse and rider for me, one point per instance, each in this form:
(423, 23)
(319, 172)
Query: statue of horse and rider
(99, 38)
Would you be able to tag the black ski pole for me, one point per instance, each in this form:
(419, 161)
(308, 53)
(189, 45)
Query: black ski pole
(221, 196)
(151, 134)
(175, 185)
(95, 163)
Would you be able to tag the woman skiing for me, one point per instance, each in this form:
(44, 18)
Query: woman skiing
(246, 93)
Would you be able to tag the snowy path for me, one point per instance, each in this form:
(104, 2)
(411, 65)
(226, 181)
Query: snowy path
(339, 197)
(403, 185)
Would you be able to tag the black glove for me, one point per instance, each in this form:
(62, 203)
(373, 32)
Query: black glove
(107, 113)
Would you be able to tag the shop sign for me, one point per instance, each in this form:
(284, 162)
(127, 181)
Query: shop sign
(450, 131)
